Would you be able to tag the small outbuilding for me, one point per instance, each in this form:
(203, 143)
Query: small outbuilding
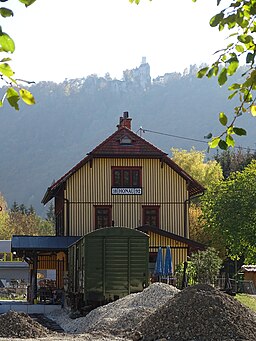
(249, 272)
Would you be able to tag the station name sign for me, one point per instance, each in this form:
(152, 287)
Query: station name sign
(126, 191)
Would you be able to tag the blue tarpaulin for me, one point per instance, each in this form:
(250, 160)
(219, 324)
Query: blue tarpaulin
(159, 263)
(168, 262)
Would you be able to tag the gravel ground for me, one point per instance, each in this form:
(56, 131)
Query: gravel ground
(82, 337)
(160, 312)
(120, 316)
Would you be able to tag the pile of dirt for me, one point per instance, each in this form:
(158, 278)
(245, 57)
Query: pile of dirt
(20, 325)
(199, 313)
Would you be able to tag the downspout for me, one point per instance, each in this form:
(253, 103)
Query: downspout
(186, 202)
(67, 216)
(186, 217)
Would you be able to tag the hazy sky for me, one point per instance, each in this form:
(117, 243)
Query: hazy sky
(58, 39)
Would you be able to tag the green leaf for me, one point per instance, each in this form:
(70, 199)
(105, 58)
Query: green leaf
(6, 70)
(250, 58)
(6, 12)
(253, 110)
(239, 48)
(214, 142)
(27, 97)
(221, 27)
(230, 130)
(215, 70)
(202, 72)
(222, 77)
(224, 57)
(247, 96)
(6, 42)
(230, 141)
(210, 72)
(232, 95)
(5, 60)
(209, 136)
(222, 144)
(233, 34)
(216, 19)
(231, 20)
(245, 38)
(223, 119)
(27, 2)
(239, 131)
(13, 98)
(234, 86)
(244, 23)
(232, 67)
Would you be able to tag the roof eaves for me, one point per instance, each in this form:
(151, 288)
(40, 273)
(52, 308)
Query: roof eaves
(54, 187)
(194, 186)
(190, 242)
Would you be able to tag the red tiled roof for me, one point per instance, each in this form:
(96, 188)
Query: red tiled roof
(112, 148)
(139, 147)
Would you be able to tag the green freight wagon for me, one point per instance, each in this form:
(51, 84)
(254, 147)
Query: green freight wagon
(107, 264)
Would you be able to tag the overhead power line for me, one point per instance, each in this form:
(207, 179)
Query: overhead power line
(142, 130)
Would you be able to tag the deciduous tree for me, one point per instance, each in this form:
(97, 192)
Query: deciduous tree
(4, 217)
(229, 211)
(193, 162)
(206, 172)
(20, 220)
(233, 160)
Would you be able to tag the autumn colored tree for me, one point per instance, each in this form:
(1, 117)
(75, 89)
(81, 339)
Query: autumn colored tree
(193, 162)
(20, 220)
(4, 217)
(205, 172)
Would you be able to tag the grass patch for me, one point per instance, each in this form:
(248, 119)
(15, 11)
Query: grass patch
(248, 300)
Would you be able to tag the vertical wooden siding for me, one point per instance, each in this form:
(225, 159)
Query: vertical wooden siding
(92, 186)
(179, 250)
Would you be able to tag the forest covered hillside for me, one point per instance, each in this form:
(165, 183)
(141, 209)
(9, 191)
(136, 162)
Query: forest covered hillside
(39, 144)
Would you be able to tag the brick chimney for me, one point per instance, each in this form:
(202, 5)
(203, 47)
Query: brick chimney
(125, 121)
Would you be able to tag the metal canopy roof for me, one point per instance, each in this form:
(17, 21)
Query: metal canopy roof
(42, 243)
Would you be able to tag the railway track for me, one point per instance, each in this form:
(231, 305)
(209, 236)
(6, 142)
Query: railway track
(46, 322)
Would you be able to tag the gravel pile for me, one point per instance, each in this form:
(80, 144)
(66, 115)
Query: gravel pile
(120, 316)
(20, 325)
(200, 313)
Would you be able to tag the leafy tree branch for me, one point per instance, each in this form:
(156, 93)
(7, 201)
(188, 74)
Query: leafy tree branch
(239, 19)
(14, 91)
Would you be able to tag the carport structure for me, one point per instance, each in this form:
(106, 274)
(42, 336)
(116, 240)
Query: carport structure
(43, 253)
